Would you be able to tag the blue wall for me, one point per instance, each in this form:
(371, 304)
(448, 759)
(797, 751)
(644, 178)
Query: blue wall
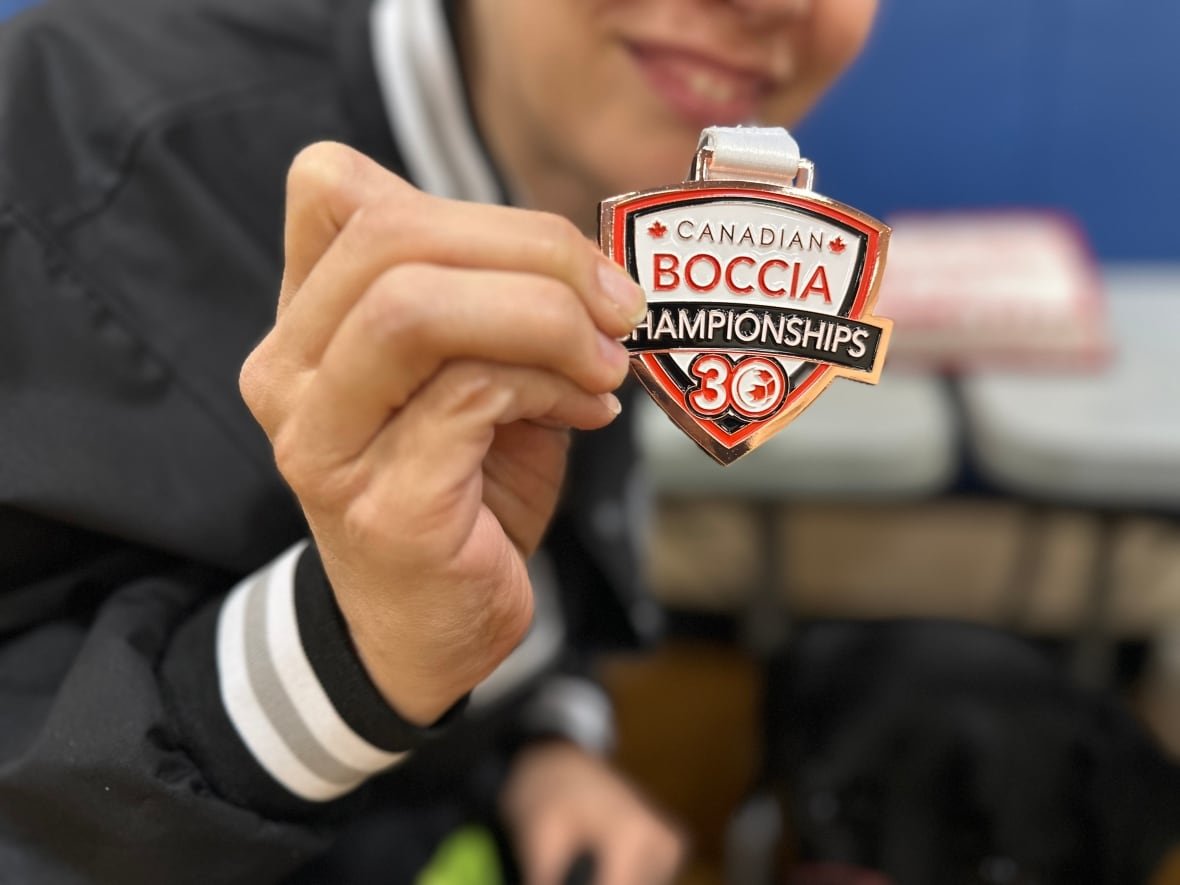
(1072, 104)
(10, 7)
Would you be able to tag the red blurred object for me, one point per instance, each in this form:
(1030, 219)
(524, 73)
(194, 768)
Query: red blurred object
(969, 289)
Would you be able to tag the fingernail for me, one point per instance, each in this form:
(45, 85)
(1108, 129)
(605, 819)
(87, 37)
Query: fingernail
(623, 291)
(611, 402)
(612, 351)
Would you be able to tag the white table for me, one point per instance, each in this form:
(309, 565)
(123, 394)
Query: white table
(856, 441)
(1109, 438)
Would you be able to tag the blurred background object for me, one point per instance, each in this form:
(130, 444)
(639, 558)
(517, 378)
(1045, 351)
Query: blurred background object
(1061, 104)
(998, 523)
(948, 753)
(993, 289)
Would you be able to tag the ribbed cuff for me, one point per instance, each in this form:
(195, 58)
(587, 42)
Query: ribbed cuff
(292, 717)
(338, 668)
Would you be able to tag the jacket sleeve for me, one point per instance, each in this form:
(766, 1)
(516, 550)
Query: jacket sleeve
(184, 736)
(178, 737)
(161, 719)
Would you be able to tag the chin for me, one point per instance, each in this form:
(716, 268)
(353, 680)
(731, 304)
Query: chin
(651, 153)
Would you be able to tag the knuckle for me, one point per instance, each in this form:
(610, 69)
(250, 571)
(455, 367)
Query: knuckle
(290, 461)
(510, 621)
(561, 244)
(250, 383)
(574, 335)
(387, 220)
(318, 485)
(558, 310)
(320, 167)
(362, 525)
(396, 311)
(467, 386)
(255, 385)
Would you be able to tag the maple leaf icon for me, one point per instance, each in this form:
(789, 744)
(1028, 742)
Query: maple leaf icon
(837, 246)
(657, 230)
(760, 392)
(764, 389)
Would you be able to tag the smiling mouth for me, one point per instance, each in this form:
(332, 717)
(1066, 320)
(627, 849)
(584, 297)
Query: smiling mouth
(700, 90)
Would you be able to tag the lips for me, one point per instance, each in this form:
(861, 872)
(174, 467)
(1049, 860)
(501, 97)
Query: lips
(701, 90)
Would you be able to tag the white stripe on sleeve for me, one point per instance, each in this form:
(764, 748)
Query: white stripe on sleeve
(273, 698)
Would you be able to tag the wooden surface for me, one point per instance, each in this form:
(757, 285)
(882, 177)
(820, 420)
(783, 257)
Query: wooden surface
(984, 560)
(688, 737)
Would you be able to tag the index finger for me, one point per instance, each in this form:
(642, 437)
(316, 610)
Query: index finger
(326, 185)
(362, 220)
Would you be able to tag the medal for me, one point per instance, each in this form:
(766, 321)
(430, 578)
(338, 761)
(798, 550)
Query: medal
(760, 291)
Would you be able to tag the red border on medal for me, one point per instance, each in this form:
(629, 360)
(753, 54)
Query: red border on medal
(616, 216)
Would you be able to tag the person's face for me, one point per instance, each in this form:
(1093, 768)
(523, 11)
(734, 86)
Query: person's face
(616, 92)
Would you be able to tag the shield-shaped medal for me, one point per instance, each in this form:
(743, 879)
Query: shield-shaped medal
(759, 295)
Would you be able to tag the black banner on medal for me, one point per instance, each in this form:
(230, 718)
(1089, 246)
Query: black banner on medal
(797, 334)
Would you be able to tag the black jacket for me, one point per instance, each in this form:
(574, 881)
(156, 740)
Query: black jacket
(143, 152)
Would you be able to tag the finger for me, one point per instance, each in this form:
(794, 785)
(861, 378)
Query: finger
(620, 862)
(522, 479)
(461, 407)
(418, 317)
(667, 855)
(424, 469)
(549, 850)
(326, 185)
(408, 226)
(644, 856)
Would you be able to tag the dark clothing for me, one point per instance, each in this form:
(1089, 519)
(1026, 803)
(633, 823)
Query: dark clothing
(143, 152)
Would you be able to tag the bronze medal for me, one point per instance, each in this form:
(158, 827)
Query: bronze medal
(760, 291)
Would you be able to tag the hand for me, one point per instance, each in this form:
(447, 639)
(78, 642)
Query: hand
(560, 802)
(426, 363)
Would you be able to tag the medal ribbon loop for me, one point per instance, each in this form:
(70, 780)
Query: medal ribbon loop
(750, 153)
